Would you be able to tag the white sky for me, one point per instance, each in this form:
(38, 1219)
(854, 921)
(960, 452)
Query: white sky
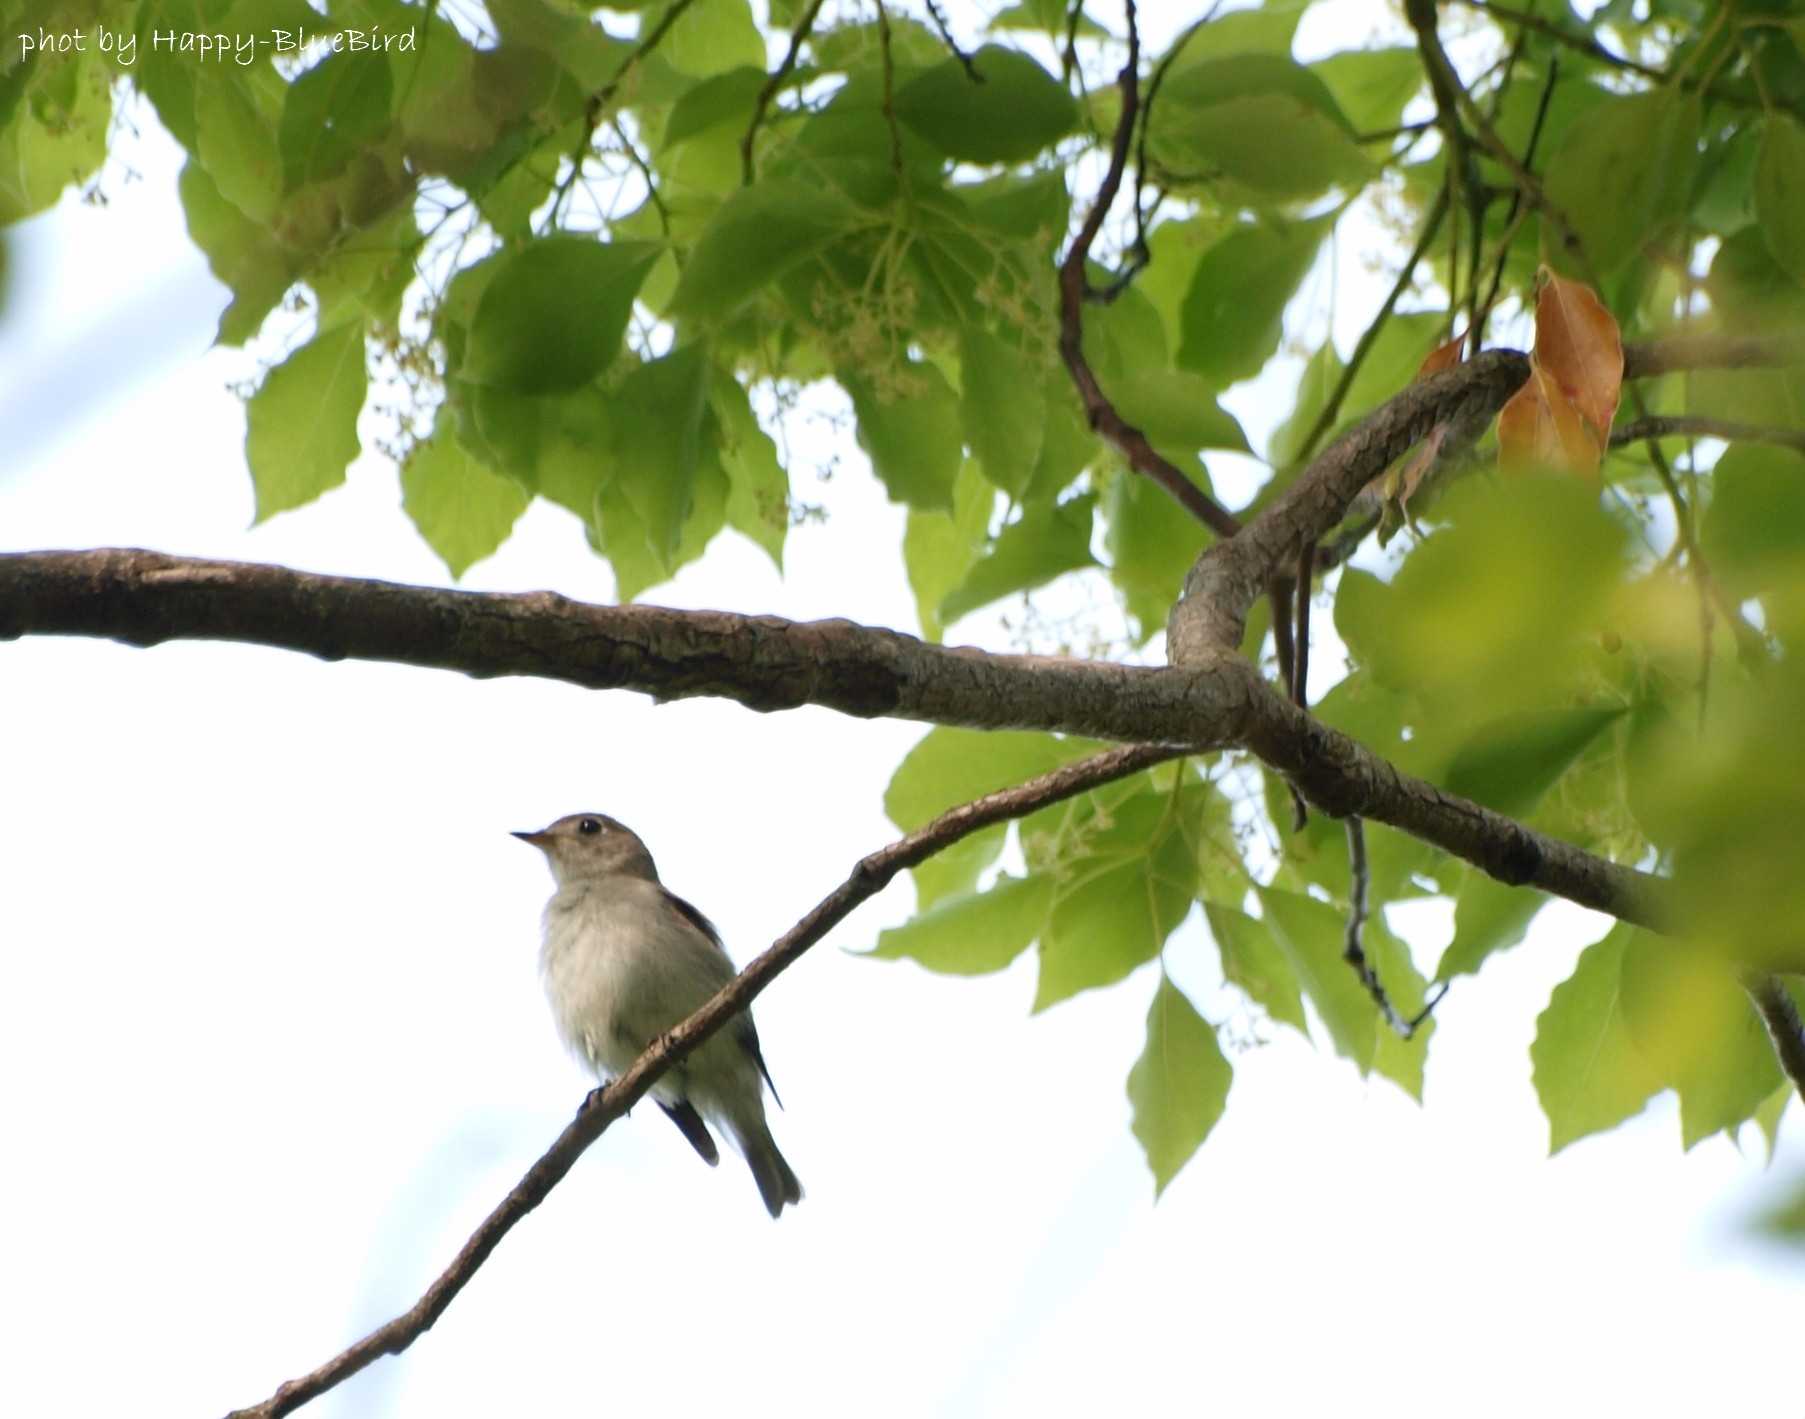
(274, 1038)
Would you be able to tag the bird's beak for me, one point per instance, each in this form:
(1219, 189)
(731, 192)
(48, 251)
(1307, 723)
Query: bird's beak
(536, 839)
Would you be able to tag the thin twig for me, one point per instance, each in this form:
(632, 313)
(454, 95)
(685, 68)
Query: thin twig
(1663, 426)
(946, 38)
(599, 100)
(1513, 215)
(1325, 418)
(1074, 290)
(798, 37)
(1354, 950)
(1779, 1012)
(603, 1106)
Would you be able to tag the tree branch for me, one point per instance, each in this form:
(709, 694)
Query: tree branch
(1662, 426)
(869, 876)
(1217, 701)
(1780, 1014)
(1099, 411)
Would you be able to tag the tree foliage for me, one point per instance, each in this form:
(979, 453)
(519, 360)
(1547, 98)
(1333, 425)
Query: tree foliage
(593, 255)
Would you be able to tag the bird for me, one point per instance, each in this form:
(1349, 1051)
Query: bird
(624, 959)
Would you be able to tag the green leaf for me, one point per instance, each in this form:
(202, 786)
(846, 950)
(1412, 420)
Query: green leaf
(1260, 30)
(755, 236)
(301, 424)
(239, 252)
(57, 134)
(1003, 409)
(710, 38)
(463, 510)
(910, 427)
(952, 766)
(725, 100)
(1177, 411)
(973, 934)
(553, 313)
(658, 442)
(1152, 543)
(1311, 935)
(1321, 374)
(1372, 87)
(939, 548)
(1509, 763)
(1252, 960)
(1623, 172)
(1488, 917)
(1780, 190)
(1179, 1085)
(1043, 543)
(1695, 1026)
(1754, 530)
(1017, 110)
(1200, 130)
(1119, 896)
(237, 146)
(758, 504)
(1588, 1072)
(332, 112)
(1233, 315)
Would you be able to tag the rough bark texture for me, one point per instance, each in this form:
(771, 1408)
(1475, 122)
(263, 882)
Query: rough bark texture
(1219, 701)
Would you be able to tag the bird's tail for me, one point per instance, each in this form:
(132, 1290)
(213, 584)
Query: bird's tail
(776, 1182)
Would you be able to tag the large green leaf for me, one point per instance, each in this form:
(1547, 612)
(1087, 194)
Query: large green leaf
(975, 933)
(1623, 172)
(301, 424)
(1207, 111)
(910, 426)
(1234, 312)
(331, 113)
(1253, 960)
(1372, 87)
(57, 134)
(1311, 934)
(1589, 1074)
(1780, 191)
(1003, 408)
(1043, 543)
(658, 442)
(1488, 917)
(463, 510)
(1695, 1025)
(1754, 531)
(1178, 1086)
(1322, 372)
(1120, 894)
(1010, 113)
(241, 253)
(1152, 543)
(758, 233)
(758, 504)
(1176, 410)
(1509, 763)
(940, 547)
(553, 313)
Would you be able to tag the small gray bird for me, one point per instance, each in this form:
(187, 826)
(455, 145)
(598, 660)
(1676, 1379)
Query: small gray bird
(624, 960)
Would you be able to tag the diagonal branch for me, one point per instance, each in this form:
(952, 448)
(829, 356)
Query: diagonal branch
(869, 876)
(1663, 426)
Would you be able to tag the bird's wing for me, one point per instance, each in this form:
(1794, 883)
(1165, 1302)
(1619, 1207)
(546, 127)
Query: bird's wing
(744, 1031)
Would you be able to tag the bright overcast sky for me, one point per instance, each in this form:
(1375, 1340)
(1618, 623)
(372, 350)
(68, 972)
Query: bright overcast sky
(274, 1040)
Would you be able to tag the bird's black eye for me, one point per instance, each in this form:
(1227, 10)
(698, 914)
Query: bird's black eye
(589, 827)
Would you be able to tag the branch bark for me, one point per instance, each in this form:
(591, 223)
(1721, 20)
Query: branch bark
(870, 875)
(1219, 701)
(1775, 1005)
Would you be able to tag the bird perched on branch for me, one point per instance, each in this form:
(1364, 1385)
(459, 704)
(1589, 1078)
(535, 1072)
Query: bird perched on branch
(624, 960)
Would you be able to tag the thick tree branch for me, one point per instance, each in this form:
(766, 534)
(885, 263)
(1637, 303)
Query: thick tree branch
(869, 876)
(1665, 426)
(1229, 575)
(1218, 701)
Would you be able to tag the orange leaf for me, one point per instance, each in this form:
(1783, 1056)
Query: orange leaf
(1542, 428)
(1580, 348)
(1442, 357)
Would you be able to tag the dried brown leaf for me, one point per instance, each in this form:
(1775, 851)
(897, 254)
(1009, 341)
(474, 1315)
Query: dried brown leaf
(1580, 348)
